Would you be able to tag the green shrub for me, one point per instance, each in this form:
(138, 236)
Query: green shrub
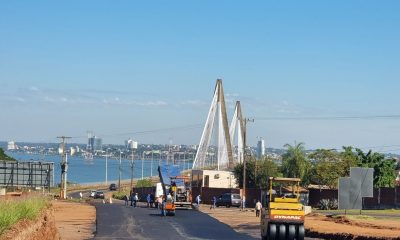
(120, 195)
(144, 183)
(13, 211)
(327, 204)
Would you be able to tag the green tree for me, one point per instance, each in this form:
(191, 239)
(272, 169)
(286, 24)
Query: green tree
(348, 159)
(144, 183)
(327, 167)
(384, 169)
(266, 168)
(5, 157)
(294, 161)
(250, 176)
(257, 172)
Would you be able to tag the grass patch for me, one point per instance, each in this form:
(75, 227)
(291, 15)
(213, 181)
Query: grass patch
(363, 212)
(12, 211)
(78, 200)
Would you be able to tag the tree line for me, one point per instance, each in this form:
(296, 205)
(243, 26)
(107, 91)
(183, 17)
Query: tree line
(322, 167)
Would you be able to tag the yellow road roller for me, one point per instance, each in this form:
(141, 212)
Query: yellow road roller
(282, 215)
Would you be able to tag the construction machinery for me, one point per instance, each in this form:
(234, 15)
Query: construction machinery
(176, 190)
(282, 216)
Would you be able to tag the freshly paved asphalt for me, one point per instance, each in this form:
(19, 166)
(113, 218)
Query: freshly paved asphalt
(116, 221)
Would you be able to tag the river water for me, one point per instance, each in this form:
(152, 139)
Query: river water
(81, 170)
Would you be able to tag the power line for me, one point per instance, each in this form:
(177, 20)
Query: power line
(370, 117)
(383, 146)
(183, 128)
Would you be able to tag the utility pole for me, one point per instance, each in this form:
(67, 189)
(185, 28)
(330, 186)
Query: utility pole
(134, 146)
(64, 168)
(246, 120)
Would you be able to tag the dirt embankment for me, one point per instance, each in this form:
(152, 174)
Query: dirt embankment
(342, 227)
(63, 220)
(43, 228)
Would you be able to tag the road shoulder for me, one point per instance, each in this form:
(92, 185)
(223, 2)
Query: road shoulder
(74, 220)
(244, 222)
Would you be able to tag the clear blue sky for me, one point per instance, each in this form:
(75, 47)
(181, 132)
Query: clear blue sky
(129, 66)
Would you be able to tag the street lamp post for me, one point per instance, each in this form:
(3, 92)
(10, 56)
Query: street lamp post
(132, 168)
(151, 165)
(142, 163)
(106, 166)
(119, 175)
(184, 160)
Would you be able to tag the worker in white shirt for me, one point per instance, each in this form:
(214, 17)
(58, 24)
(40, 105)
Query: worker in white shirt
(258, 208)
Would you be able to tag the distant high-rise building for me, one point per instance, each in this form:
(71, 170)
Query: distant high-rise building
(89, 146)
(97, 144)
(12, 146)
(260, 148)
(94, 143)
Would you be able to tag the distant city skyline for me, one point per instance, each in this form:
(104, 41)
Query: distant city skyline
(147, 71)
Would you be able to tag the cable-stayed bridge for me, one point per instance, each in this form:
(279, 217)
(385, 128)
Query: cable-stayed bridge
(223, 156)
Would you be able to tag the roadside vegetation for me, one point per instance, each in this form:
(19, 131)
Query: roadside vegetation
(5, 157)
(144, 183)
(322, 167)
(139, 184)
(13, 211)
(120, 195)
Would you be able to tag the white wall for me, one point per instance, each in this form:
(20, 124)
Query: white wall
(217, 179)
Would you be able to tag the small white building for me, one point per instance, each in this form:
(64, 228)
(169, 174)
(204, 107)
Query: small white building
(213, 179)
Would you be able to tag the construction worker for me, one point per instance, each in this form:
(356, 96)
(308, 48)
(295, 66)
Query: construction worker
(135, 199)
(148, 198)
(258, 208)
(162, 206)
(159, 202)
(132, 198)
(169, 198)
(213, 202)
(198, 200)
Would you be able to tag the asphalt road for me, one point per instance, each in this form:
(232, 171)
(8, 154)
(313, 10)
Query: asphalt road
(85, 193)
(116, 221)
